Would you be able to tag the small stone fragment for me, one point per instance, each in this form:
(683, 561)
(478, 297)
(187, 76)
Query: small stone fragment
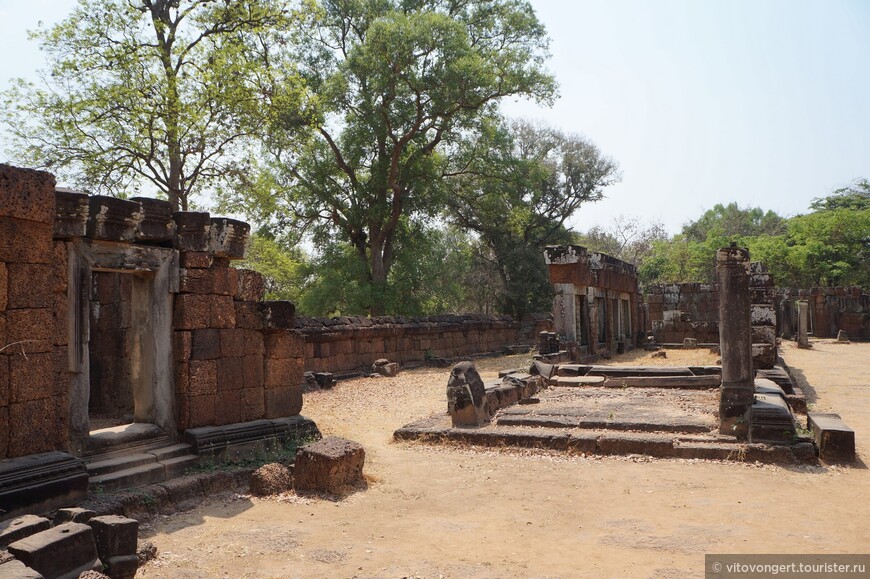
(271, 479)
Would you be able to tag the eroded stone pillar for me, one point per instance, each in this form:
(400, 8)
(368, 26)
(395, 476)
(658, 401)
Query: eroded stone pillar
(803, 324)
(737, 392)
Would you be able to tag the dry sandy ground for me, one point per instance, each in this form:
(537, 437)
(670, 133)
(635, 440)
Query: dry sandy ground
(457, 512)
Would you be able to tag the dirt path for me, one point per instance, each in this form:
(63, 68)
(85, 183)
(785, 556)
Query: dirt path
(453, 512)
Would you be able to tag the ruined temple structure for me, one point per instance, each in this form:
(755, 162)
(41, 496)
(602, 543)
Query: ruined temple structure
(829, 311)
(596, 304)
(130, 346)
(690, 311)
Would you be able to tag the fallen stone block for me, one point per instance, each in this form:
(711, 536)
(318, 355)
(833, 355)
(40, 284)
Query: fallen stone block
(64, 551)
(835, 440)
(385, 368)
(21, 527)
(329, 465)
(73, 515)
(270, 479)
(115, 536)
(15, 569)
(122, 566)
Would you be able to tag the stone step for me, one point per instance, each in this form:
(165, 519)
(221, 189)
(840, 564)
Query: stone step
(179, 465)
(660, 445)
(164, 453)
(132, 477)
(125, 438)
(110, 465)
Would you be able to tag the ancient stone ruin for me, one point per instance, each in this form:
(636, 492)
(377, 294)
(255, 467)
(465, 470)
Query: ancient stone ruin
(743, 410)
(130, 346)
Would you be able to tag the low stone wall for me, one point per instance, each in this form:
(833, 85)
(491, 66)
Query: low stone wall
(680, 311)
(831, 309)
(352, 343)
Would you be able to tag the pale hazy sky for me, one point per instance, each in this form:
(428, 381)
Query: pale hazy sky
(762, 102)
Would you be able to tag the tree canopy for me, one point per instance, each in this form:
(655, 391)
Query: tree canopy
(393, 86)
(516, 186)
(157, 92)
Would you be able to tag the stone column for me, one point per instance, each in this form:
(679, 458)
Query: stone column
(737, 392)
(803, 324)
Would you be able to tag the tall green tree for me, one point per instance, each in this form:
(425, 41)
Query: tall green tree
(517, 185)
(157, 92)
(393, 85)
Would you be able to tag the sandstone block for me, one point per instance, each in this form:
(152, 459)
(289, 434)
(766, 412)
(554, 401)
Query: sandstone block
(230, 374)
(283, 344)
(835, 440)
(252, 371)
(114, 535)
(156, 225)
(228, 407)
(229, 237)
(63, 551)
(112, 218)
(192, 231)
(15, 569)
(182, 345)
(73, 515)
(195, 281)
(31, 378)
(283, 402)
(202, 411)
(203, 377)
(282, 372)
(330, 465)
(21, 527)
(253, 404)
(195, 259)
(232, 343)
(250, 286)
(24, 241)
(4, 286)
(205, 344)
(27, 194)
(34, 328)
(248, 315)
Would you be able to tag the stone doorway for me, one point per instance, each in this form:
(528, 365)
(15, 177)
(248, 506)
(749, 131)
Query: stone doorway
(120, 355)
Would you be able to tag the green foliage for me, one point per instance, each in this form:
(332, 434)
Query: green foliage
(145, 92)
(392, 86)
(434, 273)
(515, 185)
(828, 247)
(282, 265)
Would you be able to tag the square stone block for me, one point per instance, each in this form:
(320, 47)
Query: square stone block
(330, 465)
(62, 551)
(114, 535)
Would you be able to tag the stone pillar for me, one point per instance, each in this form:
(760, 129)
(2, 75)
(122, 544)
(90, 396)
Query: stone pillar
(737, 392)
(803, 324)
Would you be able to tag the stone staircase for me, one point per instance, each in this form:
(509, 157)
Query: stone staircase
(137, 462)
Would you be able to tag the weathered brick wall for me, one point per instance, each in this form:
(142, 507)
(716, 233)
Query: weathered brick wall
(236, 357)
(832, 309)
(352, 343)
(33, 381)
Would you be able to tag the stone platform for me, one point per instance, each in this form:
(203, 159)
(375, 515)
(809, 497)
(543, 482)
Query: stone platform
(595, 419)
